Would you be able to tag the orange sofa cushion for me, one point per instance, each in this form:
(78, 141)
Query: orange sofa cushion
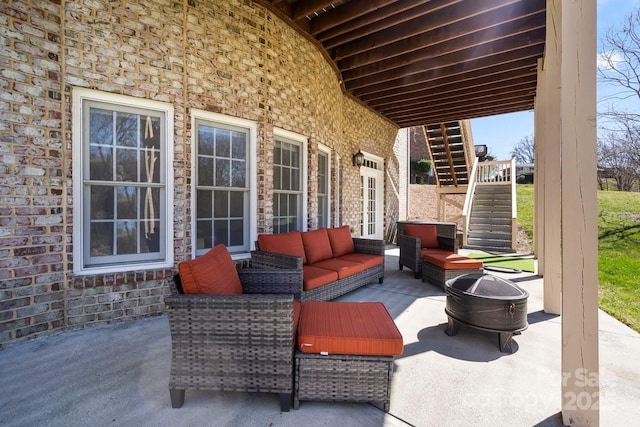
(212, 273)
(316, 245)
(341, 240)
(343, 268)
(367, 260)
(314, 277)
(357, 328)
(284, 243)
(451, 261)
(427, 233)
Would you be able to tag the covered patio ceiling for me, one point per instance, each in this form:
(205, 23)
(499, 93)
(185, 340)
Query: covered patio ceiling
(418, 62)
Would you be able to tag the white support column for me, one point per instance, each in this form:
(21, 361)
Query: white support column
(552, 256)
(576, 22)
(539, 171)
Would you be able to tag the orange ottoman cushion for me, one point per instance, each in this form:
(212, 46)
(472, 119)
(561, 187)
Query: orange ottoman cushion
(356, 328)
(451, 261)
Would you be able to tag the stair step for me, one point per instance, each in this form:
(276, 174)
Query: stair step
(498, 227)
(489, 235)
(494, 243)
(484, 215)
(490, 249)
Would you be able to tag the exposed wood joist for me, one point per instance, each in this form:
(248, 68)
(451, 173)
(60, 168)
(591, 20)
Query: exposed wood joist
(420, 61)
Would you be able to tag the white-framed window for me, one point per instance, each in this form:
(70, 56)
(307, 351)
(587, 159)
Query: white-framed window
(224, 177)
(289, 181)
(122, 183)
(324, 186)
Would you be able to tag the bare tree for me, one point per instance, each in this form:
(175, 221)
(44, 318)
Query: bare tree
(524, 151)
(619, 141)
(620, 58)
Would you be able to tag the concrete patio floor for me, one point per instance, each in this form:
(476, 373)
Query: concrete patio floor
(118, 374)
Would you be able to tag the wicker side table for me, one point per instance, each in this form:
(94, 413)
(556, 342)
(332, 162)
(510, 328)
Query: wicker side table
(343, 378)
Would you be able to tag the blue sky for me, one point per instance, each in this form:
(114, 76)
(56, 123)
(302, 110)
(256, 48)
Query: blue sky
(501, 133)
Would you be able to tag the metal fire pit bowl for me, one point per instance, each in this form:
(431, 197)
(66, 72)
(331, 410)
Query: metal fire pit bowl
(489, 303)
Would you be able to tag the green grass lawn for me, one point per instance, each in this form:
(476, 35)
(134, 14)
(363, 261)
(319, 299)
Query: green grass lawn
(618, 250)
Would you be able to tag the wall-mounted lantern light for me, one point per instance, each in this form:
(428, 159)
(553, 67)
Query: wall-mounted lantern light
(358, 159)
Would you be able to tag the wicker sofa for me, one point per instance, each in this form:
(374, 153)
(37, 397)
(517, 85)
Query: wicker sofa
(330, 262)
(212, 348)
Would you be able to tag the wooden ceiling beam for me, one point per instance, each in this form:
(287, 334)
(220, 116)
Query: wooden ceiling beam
(381, 19)
(497, 99)
(486, 56)
(422, 31)
(500, 75)
(345, 13)
(444, 39)
(466, 112)
(301, 9)
(464, 95)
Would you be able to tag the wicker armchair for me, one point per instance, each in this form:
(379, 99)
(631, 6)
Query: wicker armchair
(235, 342)
(410, 246)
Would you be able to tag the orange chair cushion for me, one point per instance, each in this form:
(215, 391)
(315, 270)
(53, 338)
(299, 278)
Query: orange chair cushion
(451, 261)
(341, 240)
(367, 260)
(316, 245)
(284, 243)
(212, 273)
(427, 233)
(357, 328)
(314, 277)
(343, 268)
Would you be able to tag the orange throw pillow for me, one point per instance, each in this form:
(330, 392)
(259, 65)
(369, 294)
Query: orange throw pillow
(341, 241)
(316, 245)
(212, 273)
(284, 243)
(427, 233)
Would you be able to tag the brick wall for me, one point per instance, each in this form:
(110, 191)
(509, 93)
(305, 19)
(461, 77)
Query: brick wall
(231, 57)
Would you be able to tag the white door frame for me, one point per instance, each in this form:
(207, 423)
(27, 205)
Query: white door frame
(372, 171)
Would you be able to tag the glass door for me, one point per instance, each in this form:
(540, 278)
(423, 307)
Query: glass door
(371, 203)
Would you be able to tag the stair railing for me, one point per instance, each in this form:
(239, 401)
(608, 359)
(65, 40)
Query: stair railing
(514, 206)
(468, 201)
(500, 172)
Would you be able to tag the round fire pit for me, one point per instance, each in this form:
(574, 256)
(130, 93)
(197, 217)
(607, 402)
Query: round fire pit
(489, 303)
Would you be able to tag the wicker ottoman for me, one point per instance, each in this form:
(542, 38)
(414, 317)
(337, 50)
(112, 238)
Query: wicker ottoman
(437, 268)
(345, 353)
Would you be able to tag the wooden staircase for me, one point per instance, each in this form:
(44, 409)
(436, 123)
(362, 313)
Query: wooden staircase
(489, 225)
(449, 152)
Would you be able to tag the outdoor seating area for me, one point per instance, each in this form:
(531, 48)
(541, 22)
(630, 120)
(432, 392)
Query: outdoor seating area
(118, 374)
(236, 329)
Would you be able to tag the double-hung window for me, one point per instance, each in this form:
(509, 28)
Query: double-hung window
(289, 180)
(224, 182)
(122, 183)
